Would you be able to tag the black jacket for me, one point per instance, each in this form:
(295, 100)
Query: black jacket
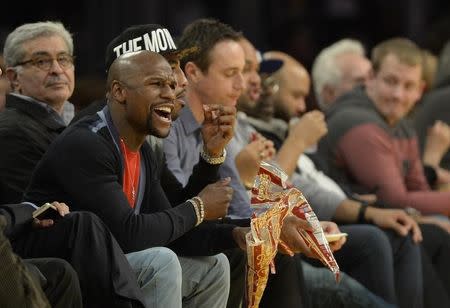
(26, 131)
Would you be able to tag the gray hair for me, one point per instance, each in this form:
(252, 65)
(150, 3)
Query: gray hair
(324, 69)
(13, 51)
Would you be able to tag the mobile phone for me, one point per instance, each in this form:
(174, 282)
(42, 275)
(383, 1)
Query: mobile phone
(47, 211)
(335, 237)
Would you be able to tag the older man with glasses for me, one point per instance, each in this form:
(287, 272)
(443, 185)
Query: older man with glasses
(39, 66)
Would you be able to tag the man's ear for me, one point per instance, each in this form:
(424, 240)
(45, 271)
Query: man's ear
(192, 71)
(12, 75)
(118, 92)
(328, 94)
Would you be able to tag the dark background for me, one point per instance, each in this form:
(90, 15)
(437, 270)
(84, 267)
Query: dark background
(299, 27)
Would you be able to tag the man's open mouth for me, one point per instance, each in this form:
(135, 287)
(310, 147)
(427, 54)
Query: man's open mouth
(164, 112)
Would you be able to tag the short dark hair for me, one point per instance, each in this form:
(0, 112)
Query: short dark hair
(205, 34)
(406, 51)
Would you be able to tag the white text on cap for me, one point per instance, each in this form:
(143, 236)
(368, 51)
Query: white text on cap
(160, 40)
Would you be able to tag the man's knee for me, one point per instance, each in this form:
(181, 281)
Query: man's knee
(222, 268)
(84, 219)
(160, 262)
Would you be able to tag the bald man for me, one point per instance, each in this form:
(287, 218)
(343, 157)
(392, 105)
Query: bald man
(115, 175)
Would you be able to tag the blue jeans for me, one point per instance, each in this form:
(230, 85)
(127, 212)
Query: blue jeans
(171, 281)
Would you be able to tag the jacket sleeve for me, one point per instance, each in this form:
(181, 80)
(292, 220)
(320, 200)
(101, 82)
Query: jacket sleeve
(18, 157)
(18, 218)
(368, 155)
(202, 175)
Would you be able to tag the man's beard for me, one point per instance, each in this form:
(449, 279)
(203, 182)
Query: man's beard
(151, 130)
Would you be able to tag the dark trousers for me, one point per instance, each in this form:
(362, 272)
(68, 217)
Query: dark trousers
(387, 264)
(59, 282)
(436, 266)
(82, 239)
(286, 288)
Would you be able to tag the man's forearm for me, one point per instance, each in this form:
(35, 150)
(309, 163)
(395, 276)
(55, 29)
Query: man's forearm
(289, 153)
(347, 211)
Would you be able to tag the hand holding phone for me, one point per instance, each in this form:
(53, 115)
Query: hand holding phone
(47, 212)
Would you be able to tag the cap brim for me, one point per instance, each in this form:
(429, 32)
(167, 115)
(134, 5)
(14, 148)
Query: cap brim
(270, 66)
(182, 53)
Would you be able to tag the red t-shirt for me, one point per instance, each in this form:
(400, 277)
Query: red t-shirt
(131, 173)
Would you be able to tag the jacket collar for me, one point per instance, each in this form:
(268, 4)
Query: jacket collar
(39, 111)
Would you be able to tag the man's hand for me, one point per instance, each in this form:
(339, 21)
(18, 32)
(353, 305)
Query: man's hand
(397, 220)
(217, 128)
(239, 237)
(331, 228)
(250, 157)
(62, 210)
(437, 143)
(310, 128)
(216, 198)
(290, 236)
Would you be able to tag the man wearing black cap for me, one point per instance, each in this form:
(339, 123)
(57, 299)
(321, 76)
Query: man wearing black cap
(151, 37)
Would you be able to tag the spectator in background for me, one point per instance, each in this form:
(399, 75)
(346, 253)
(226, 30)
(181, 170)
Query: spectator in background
(337, 69)
(39, 66)
(370, 146)
(343, 65)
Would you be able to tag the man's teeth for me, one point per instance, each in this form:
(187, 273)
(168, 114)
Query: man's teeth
(164, 109)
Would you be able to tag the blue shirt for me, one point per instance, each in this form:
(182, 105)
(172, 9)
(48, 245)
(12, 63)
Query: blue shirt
(182, 149)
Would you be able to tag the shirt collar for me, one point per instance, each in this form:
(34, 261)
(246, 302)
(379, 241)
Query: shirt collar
(188, 121)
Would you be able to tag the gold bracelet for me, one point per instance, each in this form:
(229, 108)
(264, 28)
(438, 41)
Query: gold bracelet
(213, 160)
(201, 207)
(197, 211)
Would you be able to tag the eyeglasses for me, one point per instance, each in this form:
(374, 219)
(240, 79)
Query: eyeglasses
(270, 85)
(45, 63)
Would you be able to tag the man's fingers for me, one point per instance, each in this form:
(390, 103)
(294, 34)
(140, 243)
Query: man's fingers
(227, 110)
(400, 229)
(209, 112)
(62, 208)
(285, 249)
(45, 223)
(227, 130)
(226, 119)
(416, 234)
